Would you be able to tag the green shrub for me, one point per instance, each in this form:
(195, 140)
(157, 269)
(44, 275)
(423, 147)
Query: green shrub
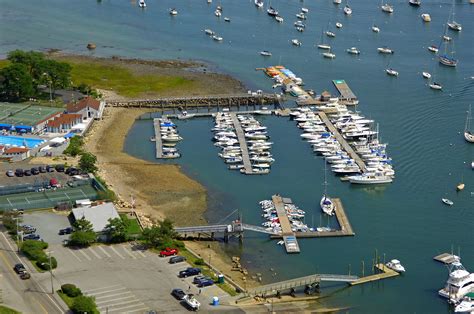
(83, 304)
(71, 290)
(43, 262)
(199, 262)
(33, 250)
(75, 146)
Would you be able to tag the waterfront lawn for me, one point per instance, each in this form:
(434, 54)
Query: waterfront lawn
(122, 80)
(132, 225)
(7, 310)
(4, 63)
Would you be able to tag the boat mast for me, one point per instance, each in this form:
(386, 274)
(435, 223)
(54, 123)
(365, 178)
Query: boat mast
(467, 126)
(325, 181)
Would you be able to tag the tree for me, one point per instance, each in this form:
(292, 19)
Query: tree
(159, 235)
(87, 162)
(58, 74)
(31, 59)
(16, 82)
(116, 229)
(83, 304)
(75, 146)
(83, 234)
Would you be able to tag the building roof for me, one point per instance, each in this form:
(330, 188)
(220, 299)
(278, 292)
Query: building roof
(15, 150)
(97, 215)
(82, 104)
(64, 118)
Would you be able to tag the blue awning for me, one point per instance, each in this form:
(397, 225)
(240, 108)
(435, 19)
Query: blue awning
(69, 135)
(23, 127)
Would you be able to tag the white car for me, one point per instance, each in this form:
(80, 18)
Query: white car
(191, 302)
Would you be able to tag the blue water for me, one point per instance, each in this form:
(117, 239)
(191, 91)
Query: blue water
(20, 141)
(404, 220)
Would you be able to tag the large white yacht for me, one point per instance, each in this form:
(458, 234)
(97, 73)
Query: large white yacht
(460, 282)
(370, 179)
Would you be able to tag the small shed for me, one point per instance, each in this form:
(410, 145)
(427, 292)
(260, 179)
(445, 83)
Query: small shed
(98, 215)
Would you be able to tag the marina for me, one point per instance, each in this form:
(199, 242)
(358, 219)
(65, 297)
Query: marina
(345, 93)
(166, 138)
(242, 143)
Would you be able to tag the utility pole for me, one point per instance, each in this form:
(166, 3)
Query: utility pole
(17, 235)
(51, 272)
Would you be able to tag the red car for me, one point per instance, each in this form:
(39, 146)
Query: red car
(169, 252)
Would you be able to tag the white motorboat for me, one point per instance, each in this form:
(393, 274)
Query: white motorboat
(233, 160)
(218, 13)
(447, 201)
(446, 38)
(353, 51)
(387, 8)
(337, 1)
(395, 265)
(436, 86)
(385, 50)
(329, 55)
(300, 29)
(301, 16)
(236, 167)
(142, 4)
(173, 11)
(171, 138)
(415, 3)
(272, 12)
(296, 42)
(191, 302)
(227, 19)
(324, 47)
(299, 24)
(259, 3)
(370, 179)
(375, 29)
(209, 1)
(391, 72)
(433, 48)
(347, 10)
(468, 133)
(426, 75)
(426, 17)
(279, 19)
(465, 306)
(460, 282)
(265, 53)
(304, 10)
(217, 38)
(330, 34)
(339, 25)
(455, 26)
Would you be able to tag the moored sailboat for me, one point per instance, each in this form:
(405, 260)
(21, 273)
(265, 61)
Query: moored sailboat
(468, 133)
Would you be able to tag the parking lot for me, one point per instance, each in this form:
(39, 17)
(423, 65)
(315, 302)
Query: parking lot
(124, 278)
(41, 177)
(47, 225)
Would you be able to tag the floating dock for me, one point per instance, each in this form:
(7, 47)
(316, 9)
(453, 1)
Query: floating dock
(243, 144)
(342, 141)
(289, 237)
(346, 94)
(158, 140)
(385, 273)
(446, 258)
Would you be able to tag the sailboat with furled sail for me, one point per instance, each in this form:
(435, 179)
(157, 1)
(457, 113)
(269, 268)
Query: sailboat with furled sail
(327, 205)
(447, 58)
(468, 133)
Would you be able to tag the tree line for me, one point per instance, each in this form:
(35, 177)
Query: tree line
(28, 71)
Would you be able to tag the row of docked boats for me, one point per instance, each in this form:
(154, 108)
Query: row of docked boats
(169, 138)
(295, 216)
(257, 145)
(357, 131)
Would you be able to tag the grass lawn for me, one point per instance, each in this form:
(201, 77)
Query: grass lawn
(132, 225)
(122, 80)
(4, 63)
(7, 310)
(68, 300)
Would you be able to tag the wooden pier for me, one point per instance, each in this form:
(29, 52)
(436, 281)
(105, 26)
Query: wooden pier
(289, 237)
(342, 141)
(243, 144)
(158, 140)
(346, 94)
(446, 258)
(385, 273)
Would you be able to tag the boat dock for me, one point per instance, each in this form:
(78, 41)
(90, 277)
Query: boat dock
(243, 144)
(289, 237)
(446, 258)
(342, 141)
(158, 140)
(346, 94)
(385, 273)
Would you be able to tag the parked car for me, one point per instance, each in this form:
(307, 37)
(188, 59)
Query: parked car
(178, 293)
(25, 275)
(42, 169)
(31, 236)
(206, 283)
(19, 172)
(59, 168)
(18, 211)
(27, 173)
(169, 252)
(177, 259)
(199, 278)
(34, 171)
(190, 271)
(67, 230)
(72, 171)
(27, 229)
(19, 268)
(49, 168)
(10, 173)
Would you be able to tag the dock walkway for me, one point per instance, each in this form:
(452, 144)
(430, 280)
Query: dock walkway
(158, 140)
(446, 258)
(289, 237)
(385, 273)
(243, 144)
(342, 141)
(346, 94)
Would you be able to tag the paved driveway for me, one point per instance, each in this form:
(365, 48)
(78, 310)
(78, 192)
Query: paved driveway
(125, 279)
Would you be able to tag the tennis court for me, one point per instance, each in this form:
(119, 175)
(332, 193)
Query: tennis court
(48, 198)
(24, 114)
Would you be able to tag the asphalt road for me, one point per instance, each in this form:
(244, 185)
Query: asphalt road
(26, 296)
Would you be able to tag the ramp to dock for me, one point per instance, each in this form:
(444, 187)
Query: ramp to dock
(289, 237)
(243, 143)
(446, 258)
(385, 273)
(342, 141)
(158, 140)
(346, 94)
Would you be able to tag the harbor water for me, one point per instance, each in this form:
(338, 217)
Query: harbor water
(404, 220)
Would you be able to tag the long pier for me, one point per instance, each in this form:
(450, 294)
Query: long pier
(200, 101)
(289, 237)
(158, 140)
(243, 143)
(342, 141)
(385, 273)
